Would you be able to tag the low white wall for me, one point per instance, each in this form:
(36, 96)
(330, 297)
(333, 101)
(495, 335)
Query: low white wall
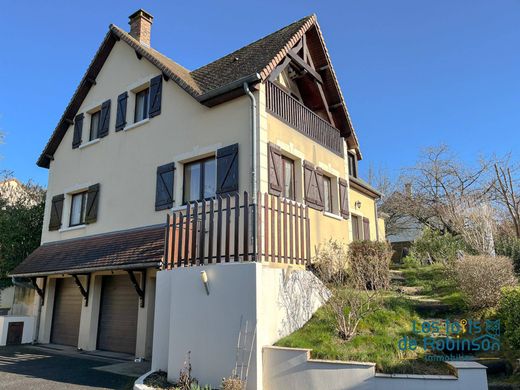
(291, 368)
(277, 300)
(28, 328)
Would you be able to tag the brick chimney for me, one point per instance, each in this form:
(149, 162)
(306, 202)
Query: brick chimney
(141, 26)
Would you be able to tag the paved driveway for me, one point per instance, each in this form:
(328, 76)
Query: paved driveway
(25, 367)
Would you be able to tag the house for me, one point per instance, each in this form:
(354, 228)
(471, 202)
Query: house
(144, 138)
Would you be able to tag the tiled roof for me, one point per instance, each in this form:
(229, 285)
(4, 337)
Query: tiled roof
(123, 249)
(258, 58)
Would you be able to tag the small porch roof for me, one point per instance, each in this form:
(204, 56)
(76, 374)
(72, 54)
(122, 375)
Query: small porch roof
(128, 249)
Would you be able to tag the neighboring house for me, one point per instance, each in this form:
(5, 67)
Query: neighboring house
(143, 135)
(12, 191)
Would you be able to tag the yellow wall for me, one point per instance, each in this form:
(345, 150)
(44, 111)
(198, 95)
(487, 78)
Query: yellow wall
(297, 146)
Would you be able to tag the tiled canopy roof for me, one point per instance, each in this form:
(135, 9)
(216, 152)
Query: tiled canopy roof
(118, 250)
(258, 58)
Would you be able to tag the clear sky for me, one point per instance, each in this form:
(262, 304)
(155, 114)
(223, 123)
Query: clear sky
(413, 73)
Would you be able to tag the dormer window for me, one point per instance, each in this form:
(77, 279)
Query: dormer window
(141, 105)
(94, 125)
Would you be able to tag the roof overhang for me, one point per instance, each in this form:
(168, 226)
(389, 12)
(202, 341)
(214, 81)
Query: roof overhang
(363, 187)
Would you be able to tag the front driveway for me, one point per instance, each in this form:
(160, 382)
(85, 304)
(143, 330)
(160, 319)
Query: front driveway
(27, 367)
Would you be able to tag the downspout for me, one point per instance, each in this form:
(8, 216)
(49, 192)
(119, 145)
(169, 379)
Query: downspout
(253, 162)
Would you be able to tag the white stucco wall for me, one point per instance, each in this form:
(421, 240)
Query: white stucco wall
(7, 297)
(125, 162)
(28, 328)
(187, 319)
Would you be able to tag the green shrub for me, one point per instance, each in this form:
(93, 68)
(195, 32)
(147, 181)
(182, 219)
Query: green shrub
(510, 247)
(411, 261)
(481, 278)
(437, 246)
(509, 314)
(370, 263)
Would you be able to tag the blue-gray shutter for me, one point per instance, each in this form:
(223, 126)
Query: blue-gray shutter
(92, 203)
(164, 187)
(104, 120)
(121, 111)
(56, 212)
(227, 169)
(78, 130)
(154, 107)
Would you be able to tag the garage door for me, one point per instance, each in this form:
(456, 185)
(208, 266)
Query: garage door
(118, 315)
(66, 313)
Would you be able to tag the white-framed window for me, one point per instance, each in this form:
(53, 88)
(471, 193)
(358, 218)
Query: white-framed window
(78, 207)
(200, 180)
(141, 105)
(95, 118)
(327, 194)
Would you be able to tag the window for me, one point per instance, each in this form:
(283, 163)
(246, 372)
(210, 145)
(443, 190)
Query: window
(141, 105)
(288, 178)
(327, 194)
(77, 209)
(356, 228)
(94, 125)
(199, 180)
(352, 165)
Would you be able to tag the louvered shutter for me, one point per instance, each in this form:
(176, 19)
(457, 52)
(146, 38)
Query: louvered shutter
(78, 130)
(121, 111)
(227, 169)
(92, 204)
(164, 187)
(343, 198)
(155, 96)
(274, 156)
(313, 186)
(56, 212)
(366, 229)
(104, 120)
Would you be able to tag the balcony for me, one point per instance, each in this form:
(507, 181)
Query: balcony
(297, 115)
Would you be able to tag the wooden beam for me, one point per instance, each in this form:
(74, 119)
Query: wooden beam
(139, 289)
(84, 291)
(91, 80)
(325, 67)
(306, 67)
(138, 55)
(40, 291)
(279, 69)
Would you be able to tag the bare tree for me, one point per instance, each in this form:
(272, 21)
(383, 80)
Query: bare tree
(439, 186)
(507, 190)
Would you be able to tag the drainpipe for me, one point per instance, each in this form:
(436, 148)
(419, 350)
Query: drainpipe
(253, 161)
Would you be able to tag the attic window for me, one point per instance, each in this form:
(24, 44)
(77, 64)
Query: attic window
(94, 125)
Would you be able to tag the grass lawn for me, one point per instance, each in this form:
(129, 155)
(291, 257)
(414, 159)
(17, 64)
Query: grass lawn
(379, 333)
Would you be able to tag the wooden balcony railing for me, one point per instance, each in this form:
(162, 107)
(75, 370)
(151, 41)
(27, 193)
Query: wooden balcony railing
(221, 231)
(295, 114)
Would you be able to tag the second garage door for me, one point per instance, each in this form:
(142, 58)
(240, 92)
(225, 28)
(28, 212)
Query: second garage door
(66, 313)
(117, 329)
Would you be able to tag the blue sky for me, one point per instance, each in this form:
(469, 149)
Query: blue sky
(414, 73)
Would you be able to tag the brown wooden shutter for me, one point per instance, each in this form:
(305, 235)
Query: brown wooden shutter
(343, 198)
(313, 186)
(164, 187)
(56, 212)
(155, 96)
(92, 204)
(366, 229)
(274, 156)
(78, 130)
(121, 111)
(227, 169)
(104, 120)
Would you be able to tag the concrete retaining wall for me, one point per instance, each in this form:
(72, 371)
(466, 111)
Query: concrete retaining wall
(290, 368)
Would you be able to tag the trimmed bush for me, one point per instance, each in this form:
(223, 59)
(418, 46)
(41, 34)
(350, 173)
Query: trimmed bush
(437, 246)
(510, 247)
(509, 314)
(370, 263)
(482, 277)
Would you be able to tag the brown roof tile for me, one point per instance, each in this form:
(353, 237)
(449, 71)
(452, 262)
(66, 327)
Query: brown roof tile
(122, 249)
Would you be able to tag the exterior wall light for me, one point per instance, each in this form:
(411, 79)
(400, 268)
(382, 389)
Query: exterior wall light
(357, 204)
(204, 278)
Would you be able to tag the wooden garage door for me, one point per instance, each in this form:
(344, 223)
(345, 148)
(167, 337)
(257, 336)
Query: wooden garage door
(66, 313)
(118, 315)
